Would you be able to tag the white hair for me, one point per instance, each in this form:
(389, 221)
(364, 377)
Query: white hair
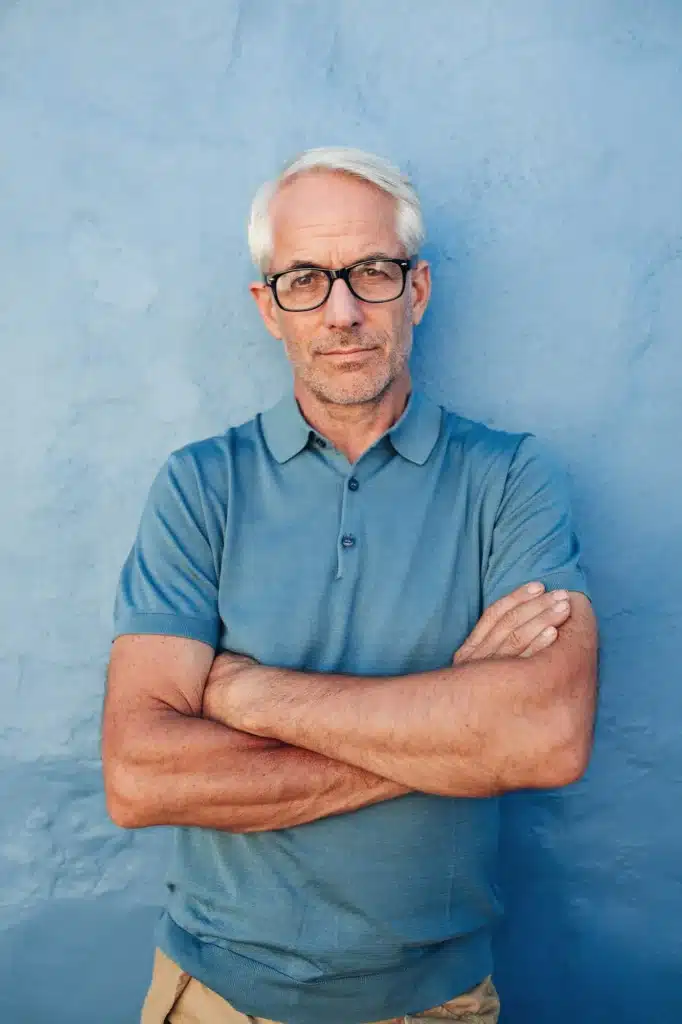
(368, 167)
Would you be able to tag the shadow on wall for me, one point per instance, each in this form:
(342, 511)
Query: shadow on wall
(77, 960)
(564, 876)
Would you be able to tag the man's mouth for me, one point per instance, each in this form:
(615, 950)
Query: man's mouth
(347, 351)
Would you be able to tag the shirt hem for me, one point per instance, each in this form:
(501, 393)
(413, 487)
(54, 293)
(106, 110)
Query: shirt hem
(151, 623)
(443, 972)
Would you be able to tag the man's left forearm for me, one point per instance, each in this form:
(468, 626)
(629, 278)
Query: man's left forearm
(475, 730)
(419, 730)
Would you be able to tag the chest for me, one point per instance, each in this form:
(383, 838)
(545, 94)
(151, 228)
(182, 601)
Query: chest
(374, 570)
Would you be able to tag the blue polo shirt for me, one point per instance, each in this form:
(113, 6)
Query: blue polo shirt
(266, 541)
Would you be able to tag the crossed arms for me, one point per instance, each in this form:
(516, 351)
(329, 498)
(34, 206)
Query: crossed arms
(222, 742)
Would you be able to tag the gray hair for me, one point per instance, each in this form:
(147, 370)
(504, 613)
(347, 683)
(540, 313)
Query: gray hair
(368, 167)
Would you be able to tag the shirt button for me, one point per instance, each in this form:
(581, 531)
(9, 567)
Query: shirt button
(353, 484)
(348, 540)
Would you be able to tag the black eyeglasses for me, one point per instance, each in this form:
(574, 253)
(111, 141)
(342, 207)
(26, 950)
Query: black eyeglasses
(305, 288)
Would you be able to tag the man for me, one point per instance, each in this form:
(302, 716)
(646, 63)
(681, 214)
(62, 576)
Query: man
(282, 687)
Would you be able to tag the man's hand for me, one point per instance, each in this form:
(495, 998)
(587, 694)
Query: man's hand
(518, 625)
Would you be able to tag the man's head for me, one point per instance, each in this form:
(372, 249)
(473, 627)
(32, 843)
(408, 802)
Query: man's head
(331, 209)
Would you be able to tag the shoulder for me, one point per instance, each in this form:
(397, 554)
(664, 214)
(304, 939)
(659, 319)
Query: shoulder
(481, 445)
(501, 461)
(207, 462)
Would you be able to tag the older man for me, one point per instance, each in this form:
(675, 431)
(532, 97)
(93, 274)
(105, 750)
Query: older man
(282, 687)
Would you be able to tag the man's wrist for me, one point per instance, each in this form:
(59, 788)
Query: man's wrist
(226, 670)
(241, 692)
(256, 697)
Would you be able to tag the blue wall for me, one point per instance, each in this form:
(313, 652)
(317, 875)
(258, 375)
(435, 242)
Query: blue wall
(546, 140)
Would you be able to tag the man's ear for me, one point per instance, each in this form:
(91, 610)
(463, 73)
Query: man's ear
(421, 290)
(265, 301)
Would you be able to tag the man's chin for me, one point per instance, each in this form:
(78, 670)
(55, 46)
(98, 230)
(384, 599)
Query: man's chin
(349, 392)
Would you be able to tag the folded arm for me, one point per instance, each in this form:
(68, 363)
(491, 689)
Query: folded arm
(478, 729)
(165, 765)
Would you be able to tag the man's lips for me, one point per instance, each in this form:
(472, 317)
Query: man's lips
(347, 351)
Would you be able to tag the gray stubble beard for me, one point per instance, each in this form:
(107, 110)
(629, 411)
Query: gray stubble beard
(359, 395)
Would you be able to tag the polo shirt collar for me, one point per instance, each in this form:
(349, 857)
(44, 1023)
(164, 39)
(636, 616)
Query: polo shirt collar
(413, 436)
(286, 431)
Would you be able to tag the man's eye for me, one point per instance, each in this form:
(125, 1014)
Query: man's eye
(304, 280)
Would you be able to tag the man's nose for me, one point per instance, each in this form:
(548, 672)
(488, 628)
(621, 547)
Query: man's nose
(342, 309)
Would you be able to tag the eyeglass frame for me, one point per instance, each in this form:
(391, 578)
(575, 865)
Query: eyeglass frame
(344, 275)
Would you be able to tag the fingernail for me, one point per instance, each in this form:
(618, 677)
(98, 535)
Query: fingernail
(559, 595)
(549, 633)
(535, 588)
(561, 606)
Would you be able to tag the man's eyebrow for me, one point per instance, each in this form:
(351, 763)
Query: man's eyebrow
(301, 265)
(376, 256)
(305, 264)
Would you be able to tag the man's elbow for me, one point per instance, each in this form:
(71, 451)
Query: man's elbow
(123, 815)
(568, 765)
(124, 796)
(567, 756)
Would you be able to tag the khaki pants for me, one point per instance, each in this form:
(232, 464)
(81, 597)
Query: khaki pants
(175, 997)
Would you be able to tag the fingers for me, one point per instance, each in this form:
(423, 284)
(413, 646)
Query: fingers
(544, 639)
(522, 627)
(492, 615)
(519, 627)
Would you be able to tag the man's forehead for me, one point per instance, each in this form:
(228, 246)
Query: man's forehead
(319, 206)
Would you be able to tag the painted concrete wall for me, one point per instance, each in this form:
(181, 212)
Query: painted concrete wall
(546, 140)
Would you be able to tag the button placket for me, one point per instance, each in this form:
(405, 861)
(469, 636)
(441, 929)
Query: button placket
(347, 540)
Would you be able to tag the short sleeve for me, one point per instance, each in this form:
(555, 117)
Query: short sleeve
(533, 535)
(169, 582)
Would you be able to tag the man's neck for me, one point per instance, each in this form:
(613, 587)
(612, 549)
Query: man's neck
(352, 429)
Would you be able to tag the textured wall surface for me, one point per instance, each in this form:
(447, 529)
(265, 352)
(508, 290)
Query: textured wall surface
(546, 140)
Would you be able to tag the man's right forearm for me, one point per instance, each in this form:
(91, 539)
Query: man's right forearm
(193, 772)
